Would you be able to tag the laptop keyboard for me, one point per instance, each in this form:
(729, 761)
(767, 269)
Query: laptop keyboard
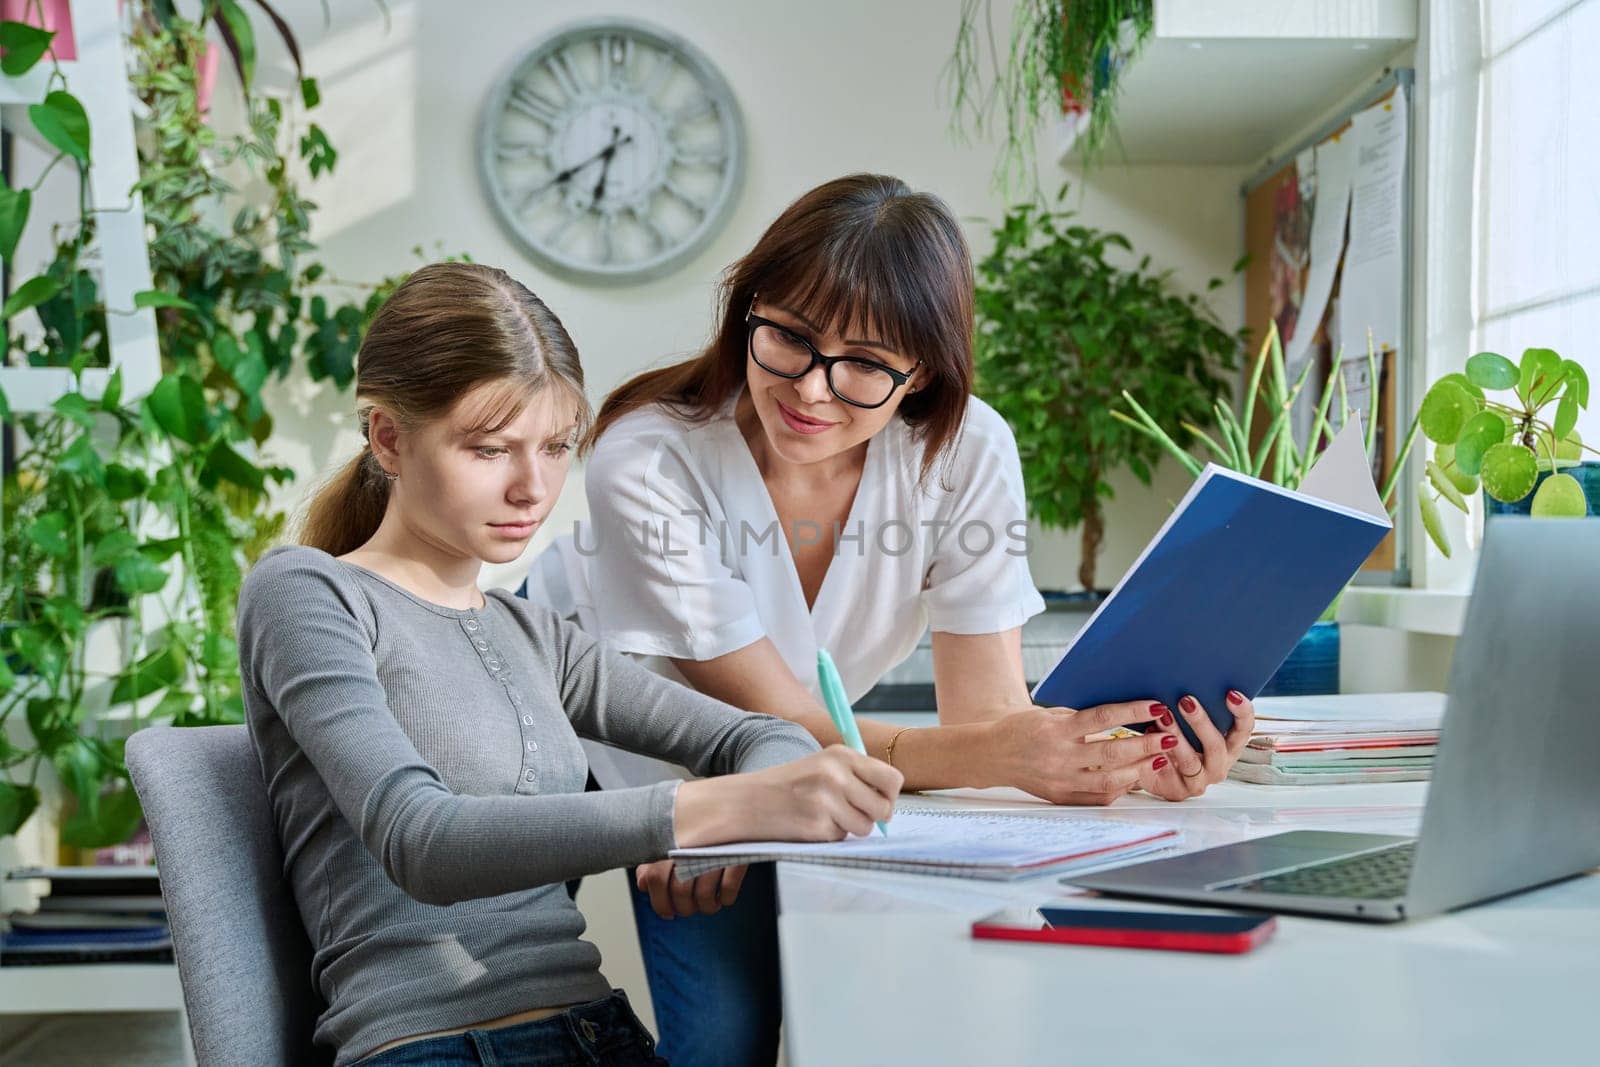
(1369, 876)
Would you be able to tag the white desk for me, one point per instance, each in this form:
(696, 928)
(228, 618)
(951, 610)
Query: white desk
(880, 969)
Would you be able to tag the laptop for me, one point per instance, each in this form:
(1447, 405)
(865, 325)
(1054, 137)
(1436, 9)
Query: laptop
(1515, 796)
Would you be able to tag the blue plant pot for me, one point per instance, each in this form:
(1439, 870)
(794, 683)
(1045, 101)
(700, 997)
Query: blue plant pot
(1312, 668)
(1588, 475)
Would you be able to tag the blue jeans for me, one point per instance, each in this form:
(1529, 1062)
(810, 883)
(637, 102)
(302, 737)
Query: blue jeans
(602, 1033)
(714, 978)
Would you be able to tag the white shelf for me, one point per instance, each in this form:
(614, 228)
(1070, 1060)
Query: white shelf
(1422, 611)
(1226, 81)
(90, 987)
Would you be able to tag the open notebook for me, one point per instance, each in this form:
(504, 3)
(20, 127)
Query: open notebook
(962, 844)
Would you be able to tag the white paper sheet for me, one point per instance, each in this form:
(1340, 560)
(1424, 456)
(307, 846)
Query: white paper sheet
(1371, 292)
(1335, 163)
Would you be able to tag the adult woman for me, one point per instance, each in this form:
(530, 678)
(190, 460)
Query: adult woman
(419, 739)
(751, 505)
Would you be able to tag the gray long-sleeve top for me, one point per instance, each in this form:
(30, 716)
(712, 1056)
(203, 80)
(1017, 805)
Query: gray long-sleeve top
(427, 781)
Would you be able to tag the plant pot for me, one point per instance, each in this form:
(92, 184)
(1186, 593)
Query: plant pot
(1312, 668)
(1587, 473)
(57, 17)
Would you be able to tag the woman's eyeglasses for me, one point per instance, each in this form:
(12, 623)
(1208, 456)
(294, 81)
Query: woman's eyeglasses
(862, 383)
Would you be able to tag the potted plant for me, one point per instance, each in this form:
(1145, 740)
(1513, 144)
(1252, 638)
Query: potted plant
(1066, 57)
(127, 523)
(1525, 460)
(1313, 667)
(1061, 330)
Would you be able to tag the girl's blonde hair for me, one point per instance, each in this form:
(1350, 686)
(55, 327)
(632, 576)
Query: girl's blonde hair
(448, 329)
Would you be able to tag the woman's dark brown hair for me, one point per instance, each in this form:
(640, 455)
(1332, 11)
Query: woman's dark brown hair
(446, 330)
(860, 252)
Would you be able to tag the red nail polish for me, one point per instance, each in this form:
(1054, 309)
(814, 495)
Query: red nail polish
(1166, 718)
(1159, 763)
(1235, 697)
(1169, 741)
(1188, 704)
(1157, 709)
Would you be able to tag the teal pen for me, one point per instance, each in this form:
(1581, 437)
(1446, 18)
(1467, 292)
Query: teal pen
(844, 720)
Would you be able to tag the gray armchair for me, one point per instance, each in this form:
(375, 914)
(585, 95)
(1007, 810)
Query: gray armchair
(243, 957)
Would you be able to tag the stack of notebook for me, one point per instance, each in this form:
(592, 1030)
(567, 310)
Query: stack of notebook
(91, 915)
(962, 844)
(1315, 741)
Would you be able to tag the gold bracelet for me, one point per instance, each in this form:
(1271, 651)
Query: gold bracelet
(888, 751)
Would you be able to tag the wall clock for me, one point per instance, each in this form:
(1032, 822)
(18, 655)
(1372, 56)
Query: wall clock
(612, 151)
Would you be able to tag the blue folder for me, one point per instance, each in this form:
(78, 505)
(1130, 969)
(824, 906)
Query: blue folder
(1219, 599)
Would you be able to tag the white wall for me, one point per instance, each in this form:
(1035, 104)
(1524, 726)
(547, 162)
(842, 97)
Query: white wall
(826, 88)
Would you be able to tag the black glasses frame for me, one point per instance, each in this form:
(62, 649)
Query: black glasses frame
(754, 322)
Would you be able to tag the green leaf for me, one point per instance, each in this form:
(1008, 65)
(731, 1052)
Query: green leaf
(156, 298)
(138, 575)
(17, 802)
(1490, 370)
(1445, 457)
(111, 399)
(240, 37)
(1538, 364)
(1431, 520)
(310, 95)
(76, 407)
(14, 204)
(1566, 416)
(24, 46)
(124, 483)
(61, 121)
(1570, 447)
(179, 407)
(1560, 496)
(112, 821)
(112, 547)
(80, 770)
(49, 532)
(1446, 487)
(1577, 382)
(30, 293)
(1509, 471)
(51, 724)
(5, 407)
(1465, 383)
(1445, 410)
(7, 680)
(154, 672)
(1482, 432)
(223, 462)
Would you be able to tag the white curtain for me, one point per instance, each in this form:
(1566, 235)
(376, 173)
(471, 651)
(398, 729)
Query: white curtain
(1538, 183)
(1512, 237)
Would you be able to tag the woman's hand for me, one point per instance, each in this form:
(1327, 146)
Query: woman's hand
(1048, 752)
(821, 797)
(705, 895)
(1190, 773)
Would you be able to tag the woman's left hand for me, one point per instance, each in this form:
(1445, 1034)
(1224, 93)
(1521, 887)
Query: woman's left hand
(705, 895)
(1189, 773)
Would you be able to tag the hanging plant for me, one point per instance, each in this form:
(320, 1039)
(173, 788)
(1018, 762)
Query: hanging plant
(1063, 56)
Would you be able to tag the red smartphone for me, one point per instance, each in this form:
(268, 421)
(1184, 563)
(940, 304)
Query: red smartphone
(1181, 931)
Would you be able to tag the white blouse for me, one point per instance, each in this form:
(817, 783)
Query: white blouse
(684, 557)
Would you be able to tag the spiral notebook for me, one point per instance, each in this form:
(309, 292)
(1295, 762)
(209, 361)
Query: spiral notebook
(963, 844)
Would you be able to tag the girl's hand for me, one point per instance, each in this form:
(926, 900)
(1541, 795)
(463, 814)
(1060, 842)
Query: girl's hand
(1047, 752)
(1190, 773)
(705, 895)
(821, 797)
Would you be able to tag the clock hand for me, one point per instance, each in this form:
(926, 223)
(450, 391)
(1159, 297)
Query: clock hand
(605, 167)
(567, 175)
